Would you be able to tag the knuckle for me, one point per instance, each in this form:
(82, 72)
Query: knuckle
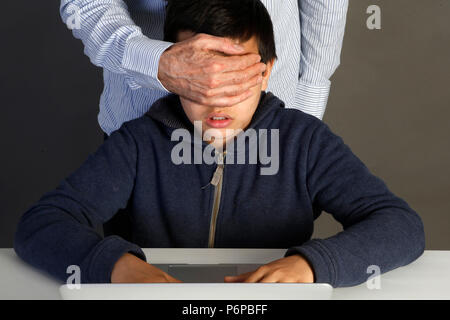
(199, 37)
(263, 268)
(243, 87)
(235, 80)
(258, 67)
(236, 91)
(208, 93)
(246, 76)
(238, 78)
(215, 67)
(213, 82)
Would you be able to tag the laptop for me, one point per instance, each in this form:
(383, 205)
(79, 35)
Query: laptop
(200, 282)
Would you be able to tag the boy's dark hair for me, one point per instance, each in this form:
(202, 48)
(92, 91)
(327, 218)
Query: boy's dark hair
(236, 19)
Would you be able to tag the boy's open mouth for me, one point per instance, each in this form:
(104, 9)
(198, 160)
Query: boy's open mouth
(218, 120)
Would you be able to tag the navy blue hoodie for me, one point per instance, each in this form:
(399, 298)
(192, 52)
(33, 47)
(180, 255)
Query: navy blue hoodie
(171, 205)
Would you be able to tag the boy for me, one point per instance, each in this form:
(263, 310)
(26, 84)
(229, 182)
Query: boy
(176, 200)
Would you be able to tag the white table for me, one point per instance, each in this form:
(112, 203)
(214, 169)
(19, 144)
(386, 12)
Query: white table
(426, 278)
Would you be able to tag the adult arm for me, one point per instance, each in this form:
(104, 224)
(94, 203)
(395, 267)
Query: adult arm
(322, 31)
(59, 230)
(114, 42)
(379, 228)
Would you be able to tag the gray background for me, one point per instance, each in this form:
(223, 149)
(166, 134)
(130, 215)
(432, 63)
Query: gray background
(390, 102)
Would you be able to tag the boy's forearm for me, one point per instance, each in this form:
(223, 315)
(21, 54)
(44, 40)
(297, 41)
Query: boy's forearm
(60, 229)
(379, 228)
(52, 240)
(386, 239)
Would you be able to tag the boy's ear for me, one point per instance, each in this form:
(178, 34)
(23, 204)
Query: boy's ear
(266, 74)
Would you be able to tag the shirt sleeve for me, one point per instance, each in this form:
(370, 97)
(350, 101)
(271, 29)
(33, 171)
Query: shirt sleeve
(322, 24)
(379, 228)
(113, 41)
(60, 229)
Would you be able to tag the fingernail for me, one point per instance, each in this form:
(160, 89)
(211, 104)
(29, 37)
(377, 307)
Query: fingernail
(260, 79)
(238, 47)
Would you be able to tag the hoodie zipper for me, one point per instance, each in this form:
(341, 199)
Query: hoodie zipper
(217, 182)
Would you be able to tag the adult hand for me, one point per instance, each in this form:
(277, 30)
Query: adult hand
(289, 269)
(210, 70)
(131, 269)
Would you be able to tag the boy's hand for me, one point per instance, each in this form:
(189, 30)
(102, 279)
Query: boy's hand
(131, 269)
(289, 269)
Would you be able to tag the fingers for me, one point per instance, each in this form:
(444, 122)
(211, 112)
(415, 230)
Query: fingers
(253, 276)
(196, 71)
(209, 42)
(234, 58)
(291, 269)
(263, 275)
(270, 279)
(240, 62)
(228, 101)
(238, 278)
(242, 77)
(235, 89)
(257, 275)
(219, 102)
(225, 96)
(276, 279)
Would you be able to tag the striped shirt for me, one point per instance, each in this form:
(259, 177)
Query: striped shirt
(124, 37)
